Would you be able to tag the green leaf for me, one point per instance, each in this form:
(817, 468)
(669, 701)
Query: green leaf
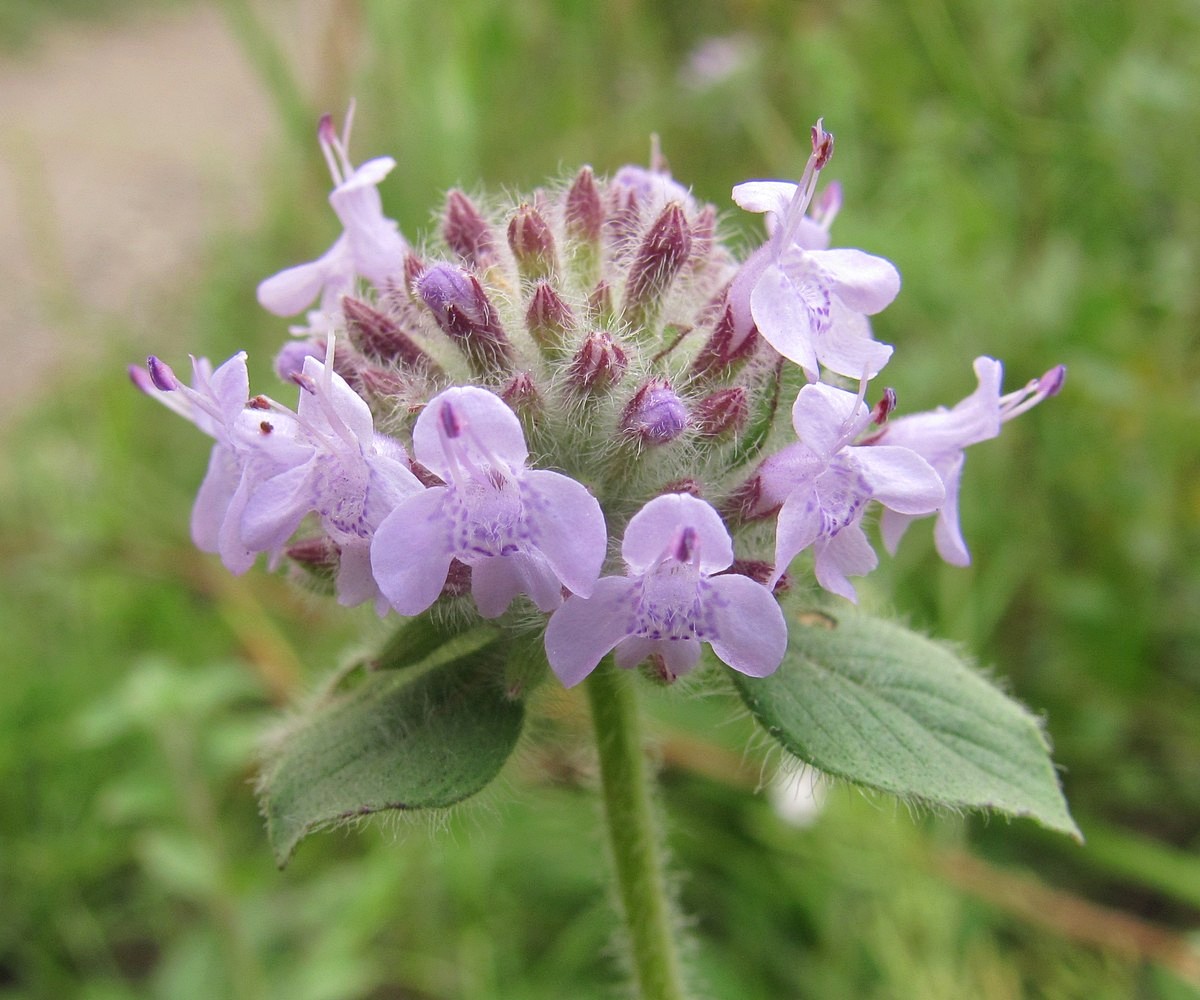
(874, 703)
(392, 743)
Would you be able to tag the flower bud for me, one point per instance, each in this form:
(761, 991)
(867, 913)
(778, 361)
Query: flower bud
(600, 304)
(655, 414)
(724, 349)
(599, 364)
(467, 232)
(532, 243)
(549, 319)
(521, 395)
(379, 336)
(413, 266)
(722, 412)
(662, 253)
(318, 557)
(463, 310)
(584, 210)
(703, 231)
(760, 572)
(290, 359)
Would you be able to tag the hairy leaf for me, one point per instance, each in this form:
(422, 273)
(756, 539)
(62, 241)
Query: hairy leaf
(392, 743)
(877, 704)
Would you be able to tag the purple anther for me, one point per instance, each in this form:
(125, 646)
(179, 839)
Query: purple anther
(161, 374)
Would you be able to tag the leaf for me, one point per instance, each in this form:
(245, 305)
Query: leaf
(392, 743)
(877, 704)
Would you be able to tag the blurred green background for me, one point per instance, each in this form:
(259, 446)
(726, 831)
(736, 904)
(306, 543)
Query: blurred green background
(1031, 169)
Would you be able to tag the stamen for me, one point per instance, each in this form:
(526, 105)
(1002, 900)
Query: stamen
(685, 544)
(822, 150)
(884, 407)
(161, 374)
(451, 425)
(1028, 396)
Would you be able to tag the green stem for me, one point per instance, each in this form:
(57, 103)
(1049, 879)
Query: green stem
(633, 834)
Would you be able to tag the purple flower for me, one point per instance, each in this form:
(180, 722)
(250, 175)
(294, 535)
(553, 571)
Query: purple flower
(520, 530)
(941, 435)
(370, 246)
(216, 403)
(327, 459)
(808, 302)
(825, 484)
(670, 602)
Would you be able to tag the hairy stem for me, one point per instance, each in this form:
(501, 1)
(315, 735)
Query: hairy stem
(633, 835)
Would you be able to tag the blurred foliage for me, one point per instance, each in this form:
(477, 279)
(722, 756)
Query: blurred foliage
(1031, 170)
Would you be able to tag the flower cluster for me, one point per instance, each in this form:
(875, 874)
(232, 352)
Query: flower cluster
(487, 414)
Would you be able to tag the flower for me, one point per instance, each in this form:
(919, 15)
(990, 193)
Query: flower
(334, 464)
(808, 302)
(216, 403)
(825, 483)
(940, 436)
(370, 245)
(670, 602)
(520, 530)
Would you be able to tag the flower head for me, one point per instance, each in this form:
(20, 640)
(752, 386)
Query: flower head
(811, 303)
(520, 530)
(940, 437)
(369, 247)
(670, 602)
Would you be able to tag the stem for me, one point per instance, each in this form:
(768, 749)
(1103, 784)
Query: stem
(632, 834)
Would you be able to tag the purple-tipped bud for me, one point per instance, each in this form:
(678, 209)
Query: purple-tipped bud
(758, 571)
(584, 209)
(599, 364)
(462, 309)
(379, 336)
(289, 362)
(724, 349)
(747, 502)
(660, 257)
(413, 268)
(532, 243)
(319, 553)
(161, 374)
(688, 484)
(656, 414)
(549, 319)
(467, 232)
(722, 412)
(521, 395)
(600, 303)
(883, 409)
(704, 233)
(382, 383)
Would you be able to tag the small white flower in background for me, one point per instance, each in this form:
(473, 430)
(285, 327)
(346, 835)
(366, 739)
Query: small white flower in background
(798, 797)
